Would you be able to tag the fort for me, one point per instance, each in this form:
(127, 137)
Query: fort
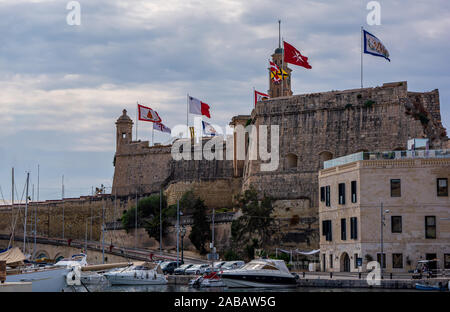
(313, 128)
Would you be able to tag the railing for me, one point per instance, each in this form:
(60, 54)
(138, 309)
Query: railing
(445, 153)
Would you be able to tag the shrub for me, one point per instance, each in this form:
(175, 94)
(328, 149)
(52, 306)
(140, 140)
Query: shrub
(369, 103)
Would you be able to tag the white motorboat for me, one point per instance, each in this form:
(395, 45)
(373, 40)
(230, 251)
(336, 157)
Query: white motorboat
(265, 273)
(145, 274)
(75, 260)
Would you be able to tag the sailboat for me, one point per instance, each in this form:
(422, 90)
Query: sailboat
(47, 279)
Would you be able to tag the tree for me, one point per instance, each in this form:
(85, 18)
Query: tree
(201, 231)
(255, 227)
(152, 227)
(148, 207)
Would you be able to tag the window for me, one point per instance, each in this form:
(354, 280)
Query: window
(292, 161)
(343, 229)
(353, 185)
(384, 259)
(446, 261)
(430, 227)
(354, 228)
(341, 193)
(397, 261)
(124, 135)
(396, 224)
(326, 230)
(442, 187)
(395, 188)
(331, 261)
(322, 193)
(327, 196)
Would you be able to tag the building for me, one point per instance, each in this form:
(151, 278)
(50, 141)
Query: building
(408, 189)
(314, 127)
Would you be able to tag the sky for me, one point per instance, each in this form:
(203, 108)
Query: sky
(63, 86)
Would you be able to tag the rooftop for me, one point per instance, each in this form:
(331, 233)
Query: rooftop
(391, 155)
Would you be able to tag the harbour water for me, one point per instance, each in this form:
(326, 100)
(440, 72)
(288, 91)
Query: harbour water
(183, 288)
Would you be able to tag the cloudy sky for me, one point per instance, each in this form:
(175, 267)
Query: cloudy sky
(63, 87)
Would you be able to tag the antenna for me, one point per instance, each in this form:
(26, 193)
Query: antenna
(279, 34)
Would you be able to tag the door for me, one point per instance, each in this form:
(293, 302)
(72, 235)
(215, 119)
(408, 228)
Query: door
(345, 262)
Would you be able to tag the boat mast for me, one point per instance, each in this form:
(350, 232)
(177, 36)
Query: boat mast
(12, 208)
(26, 211)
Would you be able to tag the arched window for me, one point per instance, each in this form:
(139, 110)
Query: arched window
(324, 156)
(292, 160)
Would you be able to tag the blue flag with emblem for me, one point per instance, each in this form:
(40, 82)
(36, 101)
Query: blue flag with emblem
(373, 46)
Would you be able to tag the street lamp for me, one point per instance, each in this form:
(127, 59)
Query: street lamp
(183, 233)
(381, 236)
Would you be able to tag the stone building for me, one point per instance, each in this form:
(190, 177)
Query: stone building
(408, 189)
(313, 128)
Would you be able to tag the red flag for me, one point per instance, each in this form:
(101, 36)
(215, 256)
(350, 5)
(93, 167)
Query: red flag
(198, 107)
(293, 56)
(148, 114)
(259, 96)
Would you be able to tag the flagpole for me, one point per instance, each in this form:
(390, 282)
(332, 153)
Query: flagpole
(362, 40)
(137, 119)
(187, 115)
(152, 136)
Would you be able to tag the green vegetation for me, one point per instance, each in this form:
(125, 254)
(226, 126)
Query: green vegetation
(369, 103)
(148, 207)
(348, 106)
(423, 118)
(152, 227)
(231, 255)
(201, 231)
(254, 228)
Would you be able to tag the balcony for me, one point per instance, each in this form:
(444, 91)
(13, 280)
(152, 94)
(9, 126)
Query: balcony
(386, 155)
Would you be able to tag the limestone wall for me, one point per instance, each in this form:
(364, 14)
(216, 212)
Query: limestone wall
(76, 214)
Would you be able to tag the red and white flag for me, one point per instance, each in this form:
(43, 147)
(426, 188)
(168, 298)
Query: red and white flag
(148, 114)
(198, 107)
(275, 71)
(259, 96)
(293, 56)
(161, 127)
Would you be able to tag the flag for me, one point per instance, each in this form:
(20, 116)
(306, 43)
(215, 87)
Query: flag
(259, 96)
(148, 114)
(373, 46)
(276, 74)
(198, 107)
(208, 129)
(161, 127)
(293, 56)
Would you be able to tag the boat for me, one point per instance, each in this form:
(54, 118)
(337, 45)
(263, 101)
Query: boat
(431, 287)
(43, 279)
(208, 280)
(75, 260)
(146, 274)
(265, 273)
(51, 279)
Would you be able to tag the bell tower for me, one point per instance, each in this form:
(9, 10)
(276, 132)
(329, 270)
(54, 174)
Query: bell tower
(283, 87)
(124, 129)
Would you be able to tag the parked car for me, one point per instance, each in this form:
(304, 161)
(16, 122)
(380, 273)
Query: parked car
(232, 265)
(216, 267)
(168, 267)
(197, 269)
(182, 269)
